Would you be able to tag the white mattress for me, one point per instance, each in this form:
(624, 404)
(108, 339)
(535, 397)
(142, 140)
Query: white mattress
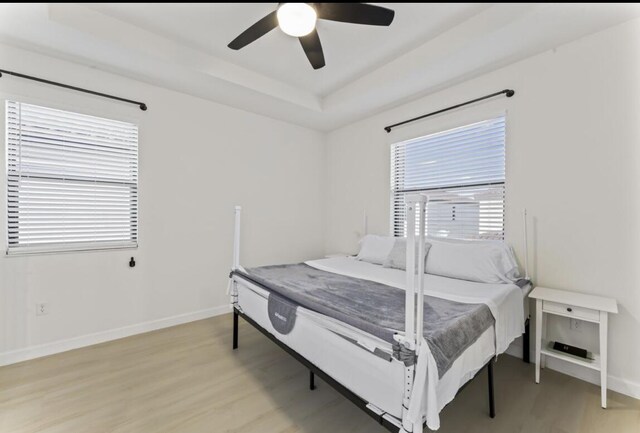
(504, 300)
(320, 339)
(372, 378)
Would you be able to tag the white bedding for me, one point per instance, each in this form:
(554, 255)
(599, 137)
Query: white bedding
(504, 300)
(430, 394)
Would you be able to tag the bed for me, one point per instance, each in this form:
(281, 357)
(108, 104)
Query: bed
(398, 375)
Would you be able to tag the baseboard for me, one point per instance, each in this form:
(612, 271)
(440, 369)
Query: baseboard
(614, 383)
(33, 352)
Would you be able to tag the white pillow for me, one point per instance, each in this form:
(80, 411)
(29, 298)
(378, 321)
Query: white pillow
(375, 249)
(481, 261)
(397, 257)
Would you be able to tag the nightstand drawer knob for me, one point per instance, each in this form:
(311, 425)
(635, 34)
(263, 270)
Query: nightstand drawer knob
(570, 310)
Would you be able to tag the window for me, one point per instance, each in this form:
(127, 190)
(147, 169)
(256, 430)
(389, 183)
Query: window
(72, 181)
(463, 172)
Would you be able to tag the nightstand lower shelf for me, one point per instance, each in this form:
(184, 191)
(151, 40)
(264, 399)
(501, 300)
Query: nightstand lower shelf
(547, 350)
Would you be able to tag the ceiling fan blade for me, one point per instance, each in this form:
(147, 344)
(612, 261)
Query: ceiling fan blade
(313, 49)
(259, 29)
(356, 13)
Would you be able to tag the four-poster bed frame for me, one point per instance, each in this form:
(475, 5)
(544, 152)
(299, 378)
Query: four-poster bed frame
(410, 341)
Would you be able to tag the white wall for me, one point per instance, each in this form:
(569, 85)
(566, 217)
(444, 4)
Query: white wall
(197, 160)
(573, 160)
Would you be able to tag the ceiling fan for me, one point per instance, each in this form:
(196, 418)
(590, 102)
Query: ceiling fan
(299, 20)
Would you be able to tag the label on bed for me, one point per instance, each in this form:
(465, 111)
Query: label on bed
(282, 313)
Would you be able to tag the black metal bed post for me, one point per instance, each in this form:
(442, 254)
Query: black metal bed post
(526, 348)
(235, 329)
(312, 380)
(492, 403)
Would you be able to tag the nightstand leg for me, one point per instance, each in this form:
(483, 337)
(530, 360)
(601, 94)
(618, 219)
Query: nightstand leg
(538, 337)
(603, 357)
(543, 358)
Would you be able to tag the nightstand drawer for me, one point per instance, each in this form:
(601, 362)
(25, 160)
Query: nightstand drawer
(571, 311)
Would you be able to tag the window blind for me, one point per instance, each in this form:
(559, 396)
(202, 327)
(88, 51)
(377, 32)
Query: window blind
(72, 180)
(462, 170)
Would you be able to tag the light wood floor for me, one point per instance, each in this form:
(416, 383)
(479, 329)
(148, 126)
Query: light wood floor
(187, 379)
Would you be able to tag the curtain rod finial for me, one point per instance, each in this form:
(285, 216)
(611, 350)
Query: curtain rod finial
(510, 93)
(143, 107)
(388, 129)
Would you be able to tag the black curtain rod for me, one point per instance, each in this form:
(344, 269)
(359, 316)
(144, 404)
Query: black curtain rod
(508, 92)
(142, 105)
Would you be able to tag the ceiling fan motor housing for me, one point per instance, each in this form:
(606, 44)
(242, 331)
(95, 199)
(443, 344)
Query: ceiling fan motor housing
(299, 20)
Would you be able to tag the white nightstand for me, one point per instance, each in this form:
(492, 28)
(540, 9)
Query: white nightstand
(576, 306)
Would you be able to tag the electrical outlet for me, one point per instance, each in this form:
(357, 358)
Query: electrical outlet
(575, 325)
(42, 309)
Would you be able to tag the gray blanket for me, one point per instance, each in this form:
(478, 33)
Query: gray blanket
(449, 327)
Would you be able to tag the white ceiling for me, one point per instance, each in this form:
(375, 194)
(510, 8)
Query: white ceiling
(350, 50)
(183, 47)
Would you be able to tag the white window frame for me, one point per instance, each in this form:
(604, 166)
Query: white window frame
(446, 195)
(63, 247)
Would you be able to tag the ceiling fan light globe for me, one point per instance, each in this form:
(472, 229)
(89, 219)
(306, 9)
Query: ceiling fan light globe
(297, 19)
